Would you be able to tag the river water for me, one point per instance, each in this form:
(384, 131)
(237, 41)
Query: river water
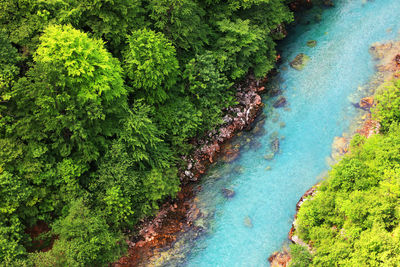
(246, 229)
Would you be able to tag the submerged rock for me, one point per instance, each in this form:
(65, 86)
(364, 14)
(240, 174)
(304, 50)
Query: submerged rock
(311, 43)
(281, 102)
(274, 92)
(247, 222)
(238, 169)
(300, 61)
(228, 193)
(275, 145)
(328, 3)
(230, 154)
(269, 156)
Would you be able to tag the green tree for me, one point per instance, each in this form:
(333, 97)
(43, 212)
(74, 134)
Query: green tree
(150, 65)
(110, 20)
(84, 239)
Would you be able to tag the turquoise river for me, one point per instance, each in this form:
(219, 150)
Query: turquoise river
(246, 229)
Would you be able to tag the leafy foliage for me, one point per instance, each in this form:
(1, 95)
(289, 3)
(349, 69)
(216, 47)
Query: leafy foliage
(388, 101)
(84, 239)
(98, 101)
(150, 65)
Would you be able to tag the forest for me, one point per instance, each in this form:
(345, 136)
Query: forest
(98, 102)
(354, 219)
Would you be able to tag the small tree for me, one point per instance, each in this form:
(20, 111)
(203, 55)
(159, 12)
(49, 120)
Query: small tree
(150, 65)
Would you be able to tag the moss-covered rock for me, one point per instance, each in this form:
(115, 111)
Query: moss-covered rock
(300, 61)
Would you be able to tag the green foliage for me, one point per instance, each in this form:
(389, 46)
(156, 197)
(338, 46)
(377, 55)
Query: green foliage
(150, 65)
(84, 239)
(8, 60)
(76, 125)
(82, 64)
(210, 90)
(136, 172)
(110, 20)
(182, 21)
(388, 101)
(24, 20)
(300, 256)
(354, 218)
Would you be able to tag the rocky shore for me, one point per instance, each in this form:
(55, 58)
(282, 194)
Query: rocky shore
(237, 118)
(388, 67)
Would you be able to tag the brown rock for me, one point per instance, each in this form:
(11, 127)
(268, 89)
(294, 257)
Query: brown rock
(228, 193)
(367, 102)
(280, 259)
(281, 102)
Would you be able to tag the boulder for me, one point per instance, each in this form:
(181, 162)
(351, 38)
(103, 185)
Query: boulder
(279, 259)
(366, 102)
(300, 61)
(311, 43)
(228, 193)
(281, 102)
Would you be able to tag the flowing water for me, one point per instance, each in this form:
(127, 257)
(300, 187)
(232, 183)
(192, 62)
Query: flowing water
(246, 229)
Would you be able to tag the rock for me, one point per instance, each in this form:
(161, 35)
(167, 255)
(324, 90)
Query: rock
(279, 259)
(339, 147)
(247, 222)
(397, 59)
(366, 102)
(269, 156)
(238, 169)
(261, 89)
(275, 145)
(274, 92)
(228, 193)
(311, 43)
(193, 214)
(300, 61)
(329, 3)
(141, 243)
(281, 102)
(230, 154)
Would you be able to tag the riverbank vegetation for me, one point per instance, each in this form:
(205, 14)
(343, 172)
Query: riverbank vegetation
(99, 100)
(354, 219)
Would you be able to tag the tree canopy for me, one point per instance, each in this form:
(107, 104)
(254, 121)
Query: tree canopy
(98, 100)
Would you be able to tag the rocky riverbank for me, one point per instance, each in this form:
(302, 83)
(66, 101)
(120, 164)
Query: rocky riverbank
(178, 215)
(237, 118)
(388, 67)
